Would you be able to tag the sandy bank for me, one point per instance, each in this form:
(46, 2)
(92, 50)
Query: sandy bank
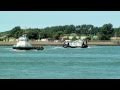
(40, 43)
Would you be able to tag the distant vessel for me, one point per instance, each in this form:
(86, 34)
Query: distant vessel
(23, 44)
(75, 44)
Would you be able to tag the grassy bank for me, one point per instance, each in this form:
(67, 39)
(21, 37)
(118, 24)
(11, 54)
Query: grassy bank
(36, 43)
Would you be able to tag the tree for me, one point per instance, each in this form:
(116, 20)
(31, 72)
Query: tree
(106, 32)
(116, 32)
(33, 35)
(69, 29)
(57, 35)
(16, 32)
(43, 34)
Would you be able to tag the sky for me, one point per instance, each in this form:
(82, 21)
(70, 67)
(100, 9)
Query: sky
(41, 19)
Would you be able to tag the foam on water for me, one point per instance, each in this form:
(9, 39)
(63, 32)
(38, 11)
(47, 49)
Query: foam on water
(53, 48)
(58, 48)
(89, 47)
(18, 50)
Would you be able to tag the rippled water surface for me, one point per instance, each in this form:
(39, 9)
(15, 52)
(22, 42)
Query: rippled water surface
(55, 62)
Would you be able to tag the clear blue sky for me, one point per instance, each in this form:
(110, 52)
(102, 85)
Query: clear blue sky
(41, 19)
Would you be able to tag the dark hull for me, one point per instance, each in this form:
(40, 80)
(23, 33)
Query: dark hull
(28, 48)
(84, 46)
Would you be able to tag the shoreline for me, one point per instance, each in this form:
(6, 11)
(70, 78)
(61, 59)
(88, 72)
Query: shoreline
(40, 43)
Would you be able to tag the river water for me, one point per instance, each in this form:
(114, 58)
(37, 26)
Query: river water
(55, 62)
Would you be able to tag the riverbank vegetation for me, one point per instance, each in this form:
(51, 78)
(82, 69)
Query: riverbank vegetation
(92, 32)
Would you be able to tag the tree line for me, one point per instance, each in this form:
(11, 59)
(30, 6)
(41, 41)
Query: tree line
(104, 32)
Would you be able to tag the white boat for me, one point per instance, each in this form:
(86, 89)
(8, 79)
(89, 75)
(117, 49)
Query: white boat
(76, 43)
(23, 44)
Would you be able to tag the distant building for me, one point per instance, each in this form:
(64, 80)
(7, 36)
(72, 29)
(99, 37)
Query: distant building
(63, 38)
(83, 37)
(11, 39)
(45, 39)
(95, 38)
(67, 40)
(115, 38)
(71, 36)
(56, 40)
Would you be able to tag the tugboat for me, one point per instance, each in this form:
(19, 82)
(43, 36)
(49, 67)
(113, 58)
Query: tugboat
(76, 44)
(23, 44)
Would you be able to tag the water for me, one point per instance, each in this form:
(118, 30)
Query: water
(95, 62)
